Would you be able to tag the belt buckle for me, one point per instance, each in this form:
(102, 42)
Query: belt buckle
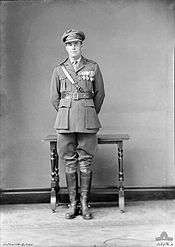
(75, 96)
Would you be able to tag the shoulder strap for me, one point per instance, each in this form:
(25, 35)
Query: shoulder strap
(71, 79)
(67, 75)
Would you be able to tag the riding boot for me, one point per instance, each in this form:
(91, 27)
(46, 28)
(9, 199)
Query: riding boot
(85, 184)
(72, 185)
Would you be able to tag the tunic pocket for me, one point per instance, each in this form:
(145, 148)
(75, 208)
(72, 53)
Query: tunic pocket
(91, 117)
(62, 119)
(89, 85)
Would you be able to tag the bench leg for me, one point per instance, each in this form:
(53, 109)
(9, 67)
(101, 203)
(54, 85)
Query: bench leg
(121, 178)
(54, 175)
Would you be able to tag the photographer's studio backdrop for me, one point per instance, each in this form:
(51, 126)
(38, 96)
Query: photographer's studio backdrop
(133, 43)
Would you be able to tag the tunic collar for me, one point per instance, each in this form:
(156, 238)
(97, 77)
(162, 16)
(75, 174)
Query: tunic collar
(73, 60)
(69, 65)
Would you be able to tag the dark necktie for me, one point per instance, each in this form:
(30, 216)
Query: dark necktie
(75, 64)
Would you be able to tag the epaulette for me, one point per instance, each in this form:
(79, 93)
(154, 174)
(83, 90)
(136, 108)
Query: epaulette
(58, 63)
(90, 61)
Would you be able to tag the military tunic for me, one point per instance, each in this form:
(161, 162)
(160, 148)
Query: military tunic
(77, 116)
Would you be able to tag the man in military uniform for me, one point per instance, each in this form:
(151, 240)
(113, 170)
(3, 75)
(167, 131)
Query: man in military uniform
(77, 93)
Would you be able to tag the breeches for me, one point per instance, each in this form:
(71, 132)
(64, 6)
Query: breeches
(77, 148)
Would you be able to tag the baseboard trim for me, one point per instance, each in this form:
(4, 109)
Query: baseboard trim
(109, 194)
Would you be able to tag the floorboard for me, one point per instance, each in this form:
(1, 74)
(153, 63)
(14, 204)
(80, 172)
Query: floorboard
(35, 225)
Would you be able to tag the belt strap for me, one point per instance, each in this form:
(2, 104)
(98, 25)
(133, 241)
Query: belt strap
(67, 75)
(77, 95)
(71, 79)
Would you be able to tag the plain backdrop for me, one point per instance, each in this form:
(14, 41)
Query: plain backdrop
(133, 42)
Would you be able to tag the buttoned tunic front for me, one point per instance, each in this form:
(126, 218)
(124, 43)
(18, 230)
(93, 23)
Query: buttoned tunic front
(81, 115)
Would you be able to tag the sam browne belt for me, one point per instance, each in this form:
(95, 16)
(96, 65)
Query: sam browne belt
(77, 95)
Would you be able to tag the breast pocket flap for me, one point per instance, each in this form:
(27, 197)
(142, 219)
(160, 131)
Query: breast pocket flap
(62, 77)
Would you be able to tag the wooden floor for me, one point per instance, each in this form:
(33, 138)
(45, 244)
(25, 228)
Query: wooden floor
(35, 225)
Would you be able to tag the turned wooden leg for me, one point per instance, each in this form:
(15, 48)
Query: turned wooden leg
(57, 188)
(121, 177)
(54, 168)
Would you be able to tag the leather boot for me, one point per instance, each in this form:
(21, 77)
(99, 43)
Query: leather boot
(85, 183)
(72, 185)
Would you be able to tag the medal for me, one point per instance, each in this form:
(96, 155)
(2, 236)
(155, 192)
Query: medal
(83, 75)
(92, 74)
(87, 75)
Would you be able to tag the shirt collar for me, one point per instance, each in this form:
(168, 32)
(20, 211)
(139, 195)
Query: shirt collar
(73, 60)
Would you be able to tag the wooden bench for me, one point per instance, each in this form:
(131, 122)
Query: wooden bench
(116, 139)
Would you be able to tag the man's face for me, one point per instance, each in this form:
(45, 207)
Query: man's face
(74, 49)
